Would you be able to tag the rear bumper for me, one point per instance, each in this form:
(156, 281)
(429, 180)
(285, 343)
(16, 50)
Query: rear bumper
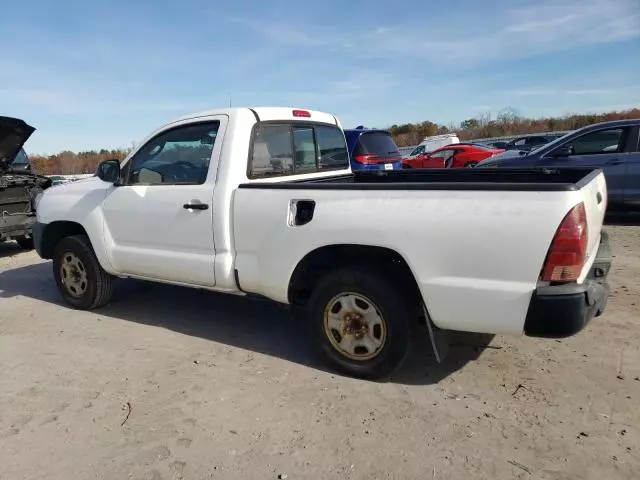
(558, 311)
(379, 166)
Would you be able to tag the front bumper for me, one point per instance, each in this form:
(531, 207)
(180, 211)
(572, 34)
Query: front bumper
(558, 311)
(37, 231)
(16, 225)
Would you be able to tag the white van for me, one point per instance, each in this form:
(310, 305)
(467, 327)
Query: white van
(429, 144)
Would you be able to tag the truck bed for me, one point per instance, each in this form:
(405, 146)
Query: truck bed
(491, 179)
(476, 239)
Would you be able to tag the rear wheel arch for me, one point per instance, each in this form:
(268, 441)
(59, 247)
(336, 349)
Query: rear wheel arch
(327, 259)
(55, 232)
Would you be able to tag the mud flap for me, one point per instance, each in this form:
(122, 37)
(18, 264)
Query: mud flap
(439, 338)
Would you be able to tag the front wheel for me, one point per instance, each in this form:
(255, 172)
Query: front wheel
(361, 322)
(81, 280)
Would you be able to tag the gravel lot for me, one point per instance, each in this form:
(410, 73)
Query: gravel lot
(170, 383)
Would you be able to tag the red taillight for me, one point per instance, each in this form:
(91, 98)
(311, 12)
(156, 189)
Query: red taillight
(568, 251)
(369, 159)
(301, 113)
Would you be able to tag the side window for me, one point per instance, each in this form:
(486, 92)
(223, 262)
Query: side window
(447, 154)
(289, 149)
(272, 151)
(520, 142)
(599, 142)
(179, 156)
(331, 148)
(440, 154)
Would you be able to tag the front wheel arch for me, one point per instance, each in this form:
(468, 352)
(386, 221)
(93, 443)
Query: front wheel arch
(54, 232)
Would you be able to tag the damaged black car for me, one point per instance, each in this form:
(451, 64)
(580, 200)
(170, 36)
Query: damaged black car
(20, 189)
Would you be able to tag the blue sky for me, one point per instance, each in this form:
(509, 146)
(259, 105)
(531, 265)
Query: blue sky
(89, 75)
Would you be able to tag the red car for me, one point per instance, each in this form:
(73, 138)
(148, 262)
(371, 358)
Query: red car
(453, 156)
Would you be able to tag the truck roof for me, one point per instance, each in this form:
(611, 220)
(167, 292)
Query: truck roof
(268, 114)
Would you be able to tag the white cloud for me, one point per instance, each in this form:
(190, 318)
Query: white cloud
(626, 90)
(512, 33)
(74, 102)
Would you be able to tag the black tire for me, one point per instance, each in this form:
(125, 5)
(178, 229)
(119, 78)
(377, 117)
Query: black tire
(26, 243)
(99, 284)
(393, 305)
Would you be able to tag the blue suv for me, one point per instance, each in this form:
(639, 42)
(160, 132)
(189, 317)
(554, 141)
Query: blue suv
(372, 149)
(613, 147)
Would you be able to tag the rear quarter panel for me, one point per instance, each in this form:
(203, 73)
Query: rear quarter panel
(476, 256)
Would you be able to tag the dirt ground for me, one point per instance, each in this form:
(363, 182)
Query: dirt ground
(170, 383)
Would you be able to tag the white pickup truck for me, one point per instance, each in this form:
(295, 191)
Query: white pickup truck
(262, 201)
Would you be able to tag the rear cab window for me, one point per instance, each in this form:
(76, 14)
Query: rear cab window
(295, 148)
(377, 143)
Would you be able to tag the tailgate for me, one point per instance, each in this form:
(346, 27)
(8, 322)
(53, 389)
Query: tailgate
(594, 195)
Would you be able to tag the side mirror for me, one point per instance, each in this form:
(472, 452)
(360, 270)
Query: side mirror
(563, 151)
(109, 171)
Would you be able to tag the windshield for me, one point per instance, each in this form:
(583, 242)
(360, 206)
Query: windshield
(419, 149)
(21, 159)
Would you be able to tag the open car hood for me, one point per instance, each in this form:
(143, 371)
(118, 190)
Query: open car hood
(13, 135)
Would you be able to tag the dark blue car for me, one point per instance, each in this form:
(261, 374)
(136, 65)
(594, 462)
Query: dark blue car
(612, 146)
(372, 149)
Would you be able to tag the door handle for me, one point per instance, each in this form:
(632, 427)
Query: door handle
(195, 206)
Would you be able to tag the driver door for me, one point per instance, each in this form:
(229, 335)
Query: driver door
(158, 219)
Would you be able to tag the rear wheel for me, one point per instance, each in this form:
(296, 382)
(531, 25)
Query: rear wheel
(81, 280)
(361, 322)
(26, 243)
